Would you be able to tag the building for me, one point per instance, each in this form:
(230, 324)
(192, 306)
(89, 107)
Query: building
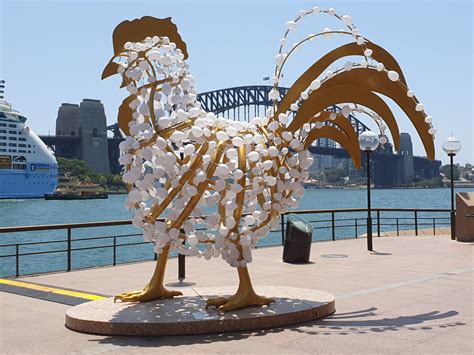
(86, 120)
(389, 169)
(406, 166)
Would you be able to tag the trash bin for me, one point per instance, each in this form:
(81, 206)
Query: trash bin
(298, 237)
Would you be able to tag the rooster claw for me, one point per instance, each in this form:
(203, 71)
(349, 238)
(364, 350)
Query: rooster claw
(146, 295)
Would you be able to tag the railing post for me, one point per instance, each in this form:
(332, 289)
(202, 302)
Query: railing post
(434, 226)
(115, 251)
(355, 226)
(398, 231)
(378, 223)
(333, 225)
(69, 244)
(17, 260)
(416, 223)
(282, 229)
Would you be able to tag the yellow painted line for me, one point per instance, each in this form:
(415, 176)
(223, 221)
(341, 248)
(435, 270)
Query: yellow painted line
(58, 291)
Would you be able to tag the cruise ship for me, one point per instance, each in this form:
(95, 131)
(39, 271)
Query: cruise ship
(27, 168)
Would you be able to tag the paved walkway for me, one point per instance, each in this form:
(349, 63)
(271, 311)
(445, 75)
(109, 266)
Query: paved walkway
(412, 295)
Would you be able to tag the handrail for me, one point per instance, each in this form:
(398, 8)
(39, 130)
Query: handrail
(64, 226)
(330, 223)
(126, 222)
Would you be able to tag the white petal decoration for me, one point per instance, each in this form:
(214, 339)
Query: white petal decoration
(189, 149)
(315, 84)
(222, 136)
(273, 151)
(237, 141)
(346, 110)
(273, 126)
(288, 136)
(291, 25)
(223, 171)
(347, 20)
(279, 59)
(283, 118)
(231, 131)
(164, 122)
(237, 174)
(253, 156)
(393, 75)
(161, 143)
(197, 131)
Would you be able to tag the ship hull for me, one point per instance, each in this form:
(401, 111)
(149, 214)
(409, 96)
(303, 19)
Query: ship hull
(74, 197)
(33, 182)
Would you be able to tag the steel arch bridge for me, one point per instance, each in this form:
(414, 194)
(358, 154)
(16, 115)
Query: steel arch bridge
(242, 103)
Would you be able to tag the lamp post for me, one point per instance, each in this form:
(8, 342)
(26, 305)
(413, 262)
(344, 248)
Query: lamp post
(368, 142)
(452, 146)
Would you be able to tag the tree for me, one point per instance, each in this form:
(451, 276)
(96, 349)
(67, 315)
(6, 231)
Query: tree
(74, 167)
(446, 171)
(79, 169)
(335, 175)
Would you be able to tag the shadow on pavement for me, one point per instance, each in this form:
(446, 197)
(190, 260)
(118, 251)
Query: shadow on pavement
(339, 323)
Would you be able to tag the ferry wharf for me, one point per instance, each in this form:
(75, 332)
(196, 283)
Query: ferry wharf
(413, 294)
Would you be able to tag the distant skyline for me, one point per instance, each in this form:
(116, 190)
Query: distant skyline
(54, 52)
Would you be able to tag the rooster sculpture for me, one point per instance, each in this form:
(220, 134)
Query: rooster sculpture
(182, 162)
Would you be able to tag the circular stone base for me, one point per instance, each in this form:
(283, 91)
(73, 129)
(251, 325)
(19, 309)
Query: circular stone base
(187, 314)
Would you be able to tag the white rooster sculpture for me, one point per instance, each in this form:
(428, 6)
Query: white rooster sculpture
(186, 162)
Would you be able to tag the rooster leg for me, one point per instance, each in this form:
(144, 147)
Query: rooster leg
(154, 289)
(244, 297)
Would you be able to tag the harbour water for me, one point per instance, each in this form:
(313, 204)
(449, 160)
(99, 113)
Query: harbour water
(38, 212)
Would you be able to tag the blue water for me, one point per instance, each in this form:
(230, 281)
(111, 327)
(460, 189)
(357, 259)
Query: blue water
(36, 212)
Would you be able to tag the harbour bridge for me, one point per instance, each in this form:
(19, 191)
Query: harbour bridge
(245, 102)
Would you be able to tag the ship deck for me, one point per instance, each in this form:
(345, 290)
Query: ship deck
(412, 295)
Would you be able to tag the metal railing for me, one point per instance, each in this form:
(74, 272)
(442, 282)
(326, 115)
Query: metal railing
(351, 221)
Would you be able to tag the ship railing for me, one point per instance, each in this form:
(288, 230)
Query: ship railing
(75, 248)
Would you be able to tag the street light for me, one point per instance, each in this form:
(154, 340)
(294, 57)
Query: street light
(452, 146)
(368, 142)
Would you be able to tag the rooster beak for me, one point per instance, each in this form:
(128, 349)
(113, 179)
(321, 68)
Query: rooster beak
(111, 69)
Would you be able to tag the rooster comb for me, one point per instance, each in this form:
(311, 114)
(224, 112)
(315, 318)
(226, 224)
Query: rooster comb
(137, 30)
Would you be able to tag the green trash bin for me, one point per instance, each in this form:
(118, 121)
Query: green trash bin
(298, 238)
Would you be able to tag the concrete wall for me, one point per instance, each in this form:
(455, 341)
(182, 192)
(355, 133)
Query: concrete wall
(88, 121)
(464, 221)
(407, 168)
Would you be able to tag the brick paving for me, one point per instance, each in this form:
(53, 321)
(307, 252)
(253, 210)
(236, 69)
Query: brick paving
(412, 295)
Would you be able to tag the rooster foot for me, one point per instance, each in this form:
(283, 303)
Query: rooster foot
(146, 295)
(238, 301)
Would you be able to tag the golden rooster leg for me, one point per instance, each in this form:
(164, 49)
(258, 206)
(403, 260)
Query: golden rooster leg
(154, 289)
(244, 297)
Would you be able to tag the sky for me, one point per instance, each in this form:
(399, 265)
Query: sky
(54, 51)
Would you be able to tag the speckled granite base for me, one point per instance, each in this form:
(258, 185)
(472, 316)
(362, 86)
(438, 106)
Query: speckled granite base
(187, 314)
